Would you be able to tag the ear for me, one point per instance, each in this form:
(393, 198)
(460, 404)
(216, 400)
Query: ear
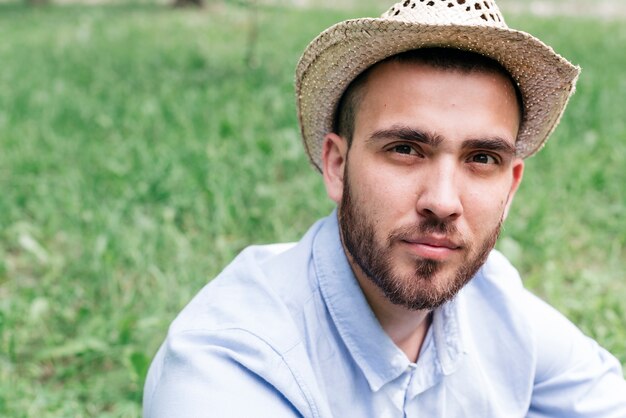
(518, 173)
(334, 154)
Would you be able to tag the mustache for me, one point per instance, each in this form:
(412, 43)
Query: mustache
(427, 226)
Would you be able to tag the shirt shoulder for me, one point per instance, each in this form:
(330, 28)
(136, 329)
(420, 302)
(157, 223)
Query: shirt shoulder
(240, 335)
(261, 291)
(525, 342)
(243, 287)
(497, 295)
(225, 373)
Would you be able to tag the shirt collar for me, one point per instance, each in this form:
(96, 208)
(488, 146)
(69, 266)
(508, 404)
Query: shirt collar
(380, 360)
(373, 351)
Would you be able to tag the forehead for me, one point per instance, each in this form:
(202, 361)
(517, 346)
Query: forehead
(459, 61)
(448, 101)
(387, 71)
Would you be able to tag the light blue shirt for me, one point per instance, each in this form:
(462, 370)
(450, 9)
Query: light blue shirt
(285, 331)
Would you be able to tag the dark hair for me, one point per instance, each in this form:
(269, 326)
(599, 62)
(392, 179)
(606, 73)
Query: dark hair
(441, 58)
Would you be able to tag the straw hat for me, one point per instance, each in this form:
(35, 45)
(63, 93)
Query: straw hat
(339, 54)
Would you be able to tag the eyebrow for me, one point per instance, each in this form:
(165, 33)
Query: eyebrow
(406, 133)
(496, 144)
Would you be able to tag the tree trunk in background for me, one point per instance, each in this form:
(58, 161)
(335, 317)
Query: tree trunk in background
(188, 3)
(253, 34)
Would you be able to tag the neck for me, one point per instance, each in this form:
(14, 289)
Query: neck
(406, 328)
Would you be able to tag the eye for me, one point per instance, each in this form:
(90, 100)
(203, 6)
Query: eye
(482, 158)
(402, 149)
(403, 152)
(405, 149)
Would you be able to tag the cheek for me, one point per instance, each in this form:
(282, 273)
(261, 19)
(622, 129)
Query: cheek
(484, 207)
(388, 196)
(380, 199)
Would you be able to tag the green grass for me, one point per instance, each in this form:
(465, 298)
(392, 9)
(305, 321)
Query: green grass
(138, 155)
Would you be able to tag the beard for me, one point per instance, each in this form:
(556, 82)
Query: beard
(421, 289)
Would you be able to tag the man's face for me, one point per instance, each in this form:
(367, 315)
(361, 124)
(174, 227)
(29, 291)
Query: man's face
(427, 180)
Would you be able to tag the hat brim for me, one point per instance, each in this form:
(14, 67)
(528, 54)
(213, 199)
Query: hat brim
(338, 55)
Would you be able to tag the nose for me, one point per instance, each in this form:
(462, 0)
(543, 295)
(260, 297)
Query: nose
(439, 194)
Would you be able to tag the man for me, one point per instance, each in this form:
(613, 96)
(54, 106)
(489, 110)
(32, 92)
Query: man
(396, 304)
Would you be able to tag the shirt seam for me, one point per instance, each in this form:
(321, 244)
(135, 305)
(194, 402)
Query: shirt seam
(299, 381)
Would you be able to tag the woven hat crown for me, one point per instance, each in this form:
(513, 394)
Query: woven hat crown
(441, 12)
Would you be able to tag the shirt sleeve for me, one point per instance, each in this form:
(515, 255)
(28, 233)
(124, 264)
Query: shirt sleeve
(575, 376)
(194, 375)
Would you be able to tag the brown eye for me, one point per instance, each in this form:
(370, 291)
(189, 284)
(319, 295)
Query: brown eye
(483, 159)
(403, 149)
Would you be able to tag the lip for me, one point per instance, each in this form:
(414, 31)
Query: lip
(432, 247)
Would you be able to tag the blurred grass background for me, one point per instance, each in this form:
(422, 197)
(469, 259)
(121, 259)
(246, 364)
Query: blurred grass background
(139, 154)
